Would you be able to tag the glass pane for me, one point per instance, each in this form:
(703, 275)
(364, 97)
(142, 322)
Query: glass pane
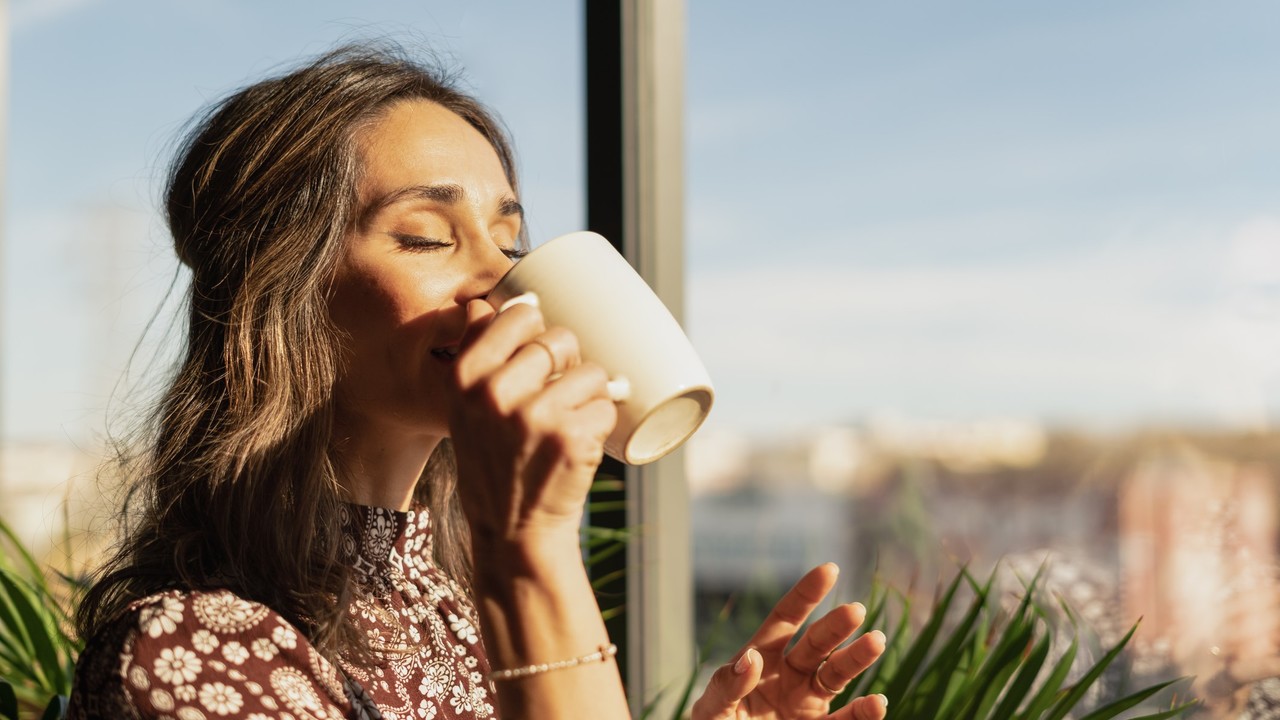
(985, 282)
(100, 93)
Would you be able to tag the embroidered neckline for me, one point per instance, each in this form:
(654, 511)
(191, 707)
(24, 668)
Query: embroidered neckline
(377, 542)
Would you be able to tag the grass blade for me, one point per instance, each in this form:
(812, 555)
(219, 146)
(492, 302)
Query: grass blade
(608, 552)
(1113, 709)
(39, 633)
(1049, 691)
(8, 701)
(905, 676)
(1171, 712)
(33, 567)
(13, 632)
(1077, 692)
(598, 584)
(885, 669)
(687, 691)
(1025, 679)
(999, 665)
(935, 685)
(607, 483)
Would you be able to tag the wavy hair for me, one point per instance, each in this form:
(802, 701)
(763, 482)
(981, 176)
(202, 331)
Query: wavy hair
(236, 485)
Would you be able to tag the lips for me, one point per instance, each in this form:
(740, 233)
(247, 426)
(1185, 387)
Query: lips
(446, 354)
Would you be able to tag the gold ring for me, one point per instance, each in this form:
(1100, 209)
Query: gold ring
(817, 678)
(550, 353)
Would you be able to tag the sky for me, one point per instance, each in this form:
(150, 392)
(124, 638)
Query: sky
(1060, 212)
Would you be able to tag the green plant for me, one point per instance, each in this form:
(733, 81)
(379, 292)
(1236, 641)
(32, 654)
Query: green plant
(601, 544)
(963, 663)
(37, 647)
(981, 662)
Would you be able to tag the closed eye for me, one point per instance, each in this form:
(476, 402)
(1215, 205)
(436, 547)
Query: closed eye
(417, 243)
(514, 253)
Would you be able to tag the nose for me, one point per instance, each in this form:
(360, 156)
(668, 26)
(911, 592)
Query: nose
(488, 263)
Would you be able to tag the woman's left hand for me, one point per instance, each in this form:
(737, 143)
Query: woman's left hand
(767, 682)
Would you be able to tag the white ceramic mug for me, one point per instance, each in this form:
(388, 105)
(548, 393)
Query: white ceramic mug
(584, 284)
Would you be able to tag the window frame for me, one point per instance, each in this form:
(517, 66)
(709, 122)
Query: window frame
(634, 64)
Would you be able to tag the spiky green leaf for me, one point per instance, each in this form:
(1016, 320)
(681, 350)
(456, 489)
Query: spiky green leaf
(1025, 679)
(8, 701)
(39, 629)
(1049, 691)
(1074, 695)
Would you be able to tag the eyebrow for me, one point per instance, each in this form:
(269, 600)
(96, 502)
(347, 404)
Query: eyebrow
(448, 194)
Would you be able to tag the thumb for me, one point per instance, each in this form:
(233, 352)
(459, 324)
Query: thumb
(728, 686)
(479, 314)
(1251, 670)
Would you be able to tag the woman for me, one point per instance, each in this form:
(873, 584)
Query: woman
(363, 494)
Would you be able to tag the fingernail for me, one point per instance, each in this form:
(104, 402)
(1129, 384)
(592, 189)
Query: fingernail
(884, 701)
(619, 389)
(528, 298)
(744, 662)
(879, 635)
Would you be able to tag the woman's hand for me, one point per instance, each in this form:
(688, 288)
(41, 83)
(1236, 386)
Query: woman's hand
(767, 681)
(527, 446)
(1244, 649)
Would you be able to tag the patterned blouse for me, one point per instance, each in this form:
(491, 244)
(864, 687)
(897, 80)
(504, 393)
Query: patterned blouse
(196, 655)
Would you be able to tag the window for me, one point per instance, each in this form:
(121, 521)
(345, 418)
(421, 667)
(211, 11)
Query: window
(984, 283)
(100, 93)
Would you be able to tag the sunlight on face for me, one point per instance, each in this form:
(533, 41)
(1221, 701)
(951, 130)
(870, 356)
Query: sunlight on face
(438, 226)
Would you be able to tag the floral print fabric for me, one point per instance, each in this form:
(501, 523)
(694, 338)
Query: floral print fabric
(204, 655)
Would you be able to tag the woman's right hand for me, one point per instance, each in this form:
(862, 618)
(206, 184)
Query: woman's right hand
(527, 447)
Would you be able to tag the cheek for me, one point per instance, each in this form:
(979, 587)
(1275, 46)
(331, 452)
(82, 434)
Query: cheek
(360, 306)
(384, 314)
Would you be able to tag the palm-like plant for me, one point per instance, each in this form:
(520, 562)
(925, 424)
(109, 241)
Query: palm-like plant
(982, 662)
(38, 649)
(990, 664)
(974, 662)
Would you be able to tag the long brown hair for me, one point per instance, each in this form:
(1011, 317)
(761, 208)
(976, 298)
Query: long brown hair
(236, 486)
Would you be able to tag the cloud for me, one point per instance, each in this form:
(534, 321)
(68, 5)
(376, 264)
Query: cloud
(1140, 328)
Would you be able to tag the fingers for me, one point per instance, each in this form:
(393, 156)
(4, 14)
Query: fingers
(849, 662)
(479, 315)
(1251, 670)
(513, 353)
(578, 386)
(794, 608)
(491, 340)
(514, 382)
(824, 636)
(728, 686)
(869, 707)
(1247, 614)
(579, 396)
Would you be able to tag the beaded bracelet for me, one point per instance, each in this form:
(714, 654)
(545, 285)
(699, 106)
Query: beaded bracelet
(601, 655)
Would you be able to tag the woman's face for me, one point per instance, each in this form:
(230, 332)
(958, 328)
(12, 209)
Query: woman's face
(438, 227)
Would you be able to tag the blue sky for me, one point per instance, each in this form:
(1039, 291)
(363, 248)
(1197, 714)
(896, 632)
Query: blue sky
(1067, 212)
